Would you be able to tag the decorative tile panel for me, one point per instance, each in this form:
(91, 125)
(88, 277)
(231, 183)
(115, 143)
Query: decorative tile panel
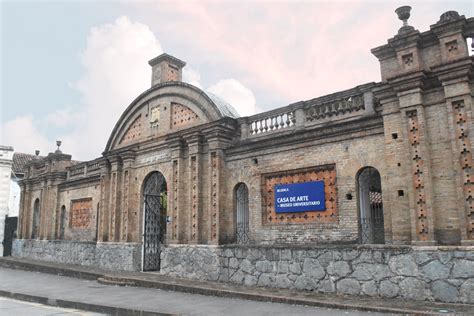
(182, 115)
(134, 132)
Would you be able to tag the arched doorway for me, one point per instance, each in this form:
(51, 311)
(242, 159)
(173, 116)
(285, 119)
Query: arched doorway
(241, 194)
(62, 222)
(36, 220)
(154, 227)
(371, 222)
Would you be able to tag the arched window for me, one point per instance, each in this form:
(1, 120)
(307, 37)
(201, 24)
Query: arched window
(371, 222)
(154, 226)
(36, 220)
(62, 222)
(241, 194)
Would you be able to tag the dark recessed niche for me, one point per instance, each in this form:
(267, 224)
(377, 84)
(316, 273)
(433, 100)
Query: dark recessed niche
(401, 193)
(399, 164)
(349, 196)
(394, 135)
(255, 160)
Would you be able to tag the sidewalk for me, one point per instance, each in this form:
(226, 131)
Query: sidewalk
(99, 298)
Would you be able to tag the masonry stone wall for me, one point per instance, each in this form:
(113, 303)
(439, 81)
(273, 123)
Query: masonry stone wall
(443, 274)
(110, 256)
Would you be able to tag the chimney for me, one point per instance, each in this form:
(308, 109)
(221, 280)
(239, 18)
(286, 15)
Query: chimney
(165, 68)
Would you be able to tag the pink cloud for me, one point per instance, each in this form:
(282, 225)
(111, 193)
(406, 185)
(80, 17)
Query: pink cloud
(295, 50)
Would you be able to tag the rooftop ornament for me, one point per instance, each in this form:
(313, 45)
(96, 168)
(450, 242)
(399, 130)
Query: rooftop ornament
(58, 151)
(37, 152)
(404, 14)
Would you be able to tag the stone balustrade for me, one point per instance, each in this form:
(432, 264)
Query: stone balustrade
(336, 107)
(77, 170)
(93, 166)
(348, 104)
(270, 122)
(85, 169)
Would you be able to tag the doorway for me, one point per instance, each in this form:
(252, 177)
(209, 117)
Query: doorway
(154, 227)
(371, 221)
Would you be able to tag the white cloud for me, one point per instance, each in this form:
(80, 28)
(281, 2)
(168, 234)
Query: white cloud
(23, 135)
(115, 72)
(235, 93)
(191, 76)
(230, 90)
(61, 118)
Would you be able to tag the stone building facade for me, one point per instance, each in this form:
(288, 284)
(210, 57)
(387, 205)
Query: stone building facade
(182, 176)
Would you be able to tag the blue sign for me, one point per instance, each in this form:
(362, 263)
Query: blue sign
(300, 197)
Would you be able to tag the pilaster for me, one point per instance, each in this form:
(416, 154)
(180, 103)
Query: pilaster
(128, 159)
(461, 124)
(22, 214)
(195, 169)
(175, 203)
(218, 140)
(103, 216)
(115, 197)
(421, 192)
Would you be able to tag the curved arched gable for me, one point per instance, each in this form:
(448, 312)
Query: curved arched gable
(162, 109)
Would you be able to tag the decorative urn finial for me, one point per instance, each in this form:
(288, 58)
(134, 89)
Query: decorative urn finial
(58, 143)
(404, 14)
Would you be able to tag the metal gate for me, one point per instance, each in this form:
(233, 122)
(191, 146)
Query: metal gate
(154, 197)
(242, 204)
(9, 233)
(371, 222)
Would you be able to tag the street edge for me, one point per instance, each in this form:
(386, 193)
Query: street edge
(104, 309)
(103, 278)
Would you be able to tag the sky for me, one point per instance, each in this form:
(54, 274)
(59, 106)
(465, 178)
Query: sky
(68, 69)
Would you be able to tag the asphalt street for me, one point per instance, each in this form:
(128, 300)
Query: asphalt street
(77, 290)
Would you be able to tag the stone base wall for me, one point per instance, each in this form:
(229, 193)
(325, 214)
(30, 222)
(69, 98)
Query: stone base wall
(111, 256)
(419, 273)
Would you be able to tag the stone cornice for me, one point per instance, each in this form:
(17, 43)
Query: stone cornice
(408, 81)
(461, 68)
(346, 129)
(79, 181)
(167, 58)
(128, 155)
(56, 176)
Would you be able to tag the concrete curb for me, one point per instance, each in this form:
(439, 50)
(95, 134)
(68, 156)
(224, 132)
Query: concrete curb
(108, 278)
(103, 309)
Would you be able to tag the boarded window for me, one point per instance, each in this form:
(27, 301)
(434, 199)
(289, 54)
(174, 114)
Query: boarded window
(81, 212)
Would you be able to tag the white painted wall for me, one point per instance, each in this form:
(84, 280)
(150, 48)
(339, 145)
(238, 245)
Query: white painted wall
(6, 156)
(14, 200)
